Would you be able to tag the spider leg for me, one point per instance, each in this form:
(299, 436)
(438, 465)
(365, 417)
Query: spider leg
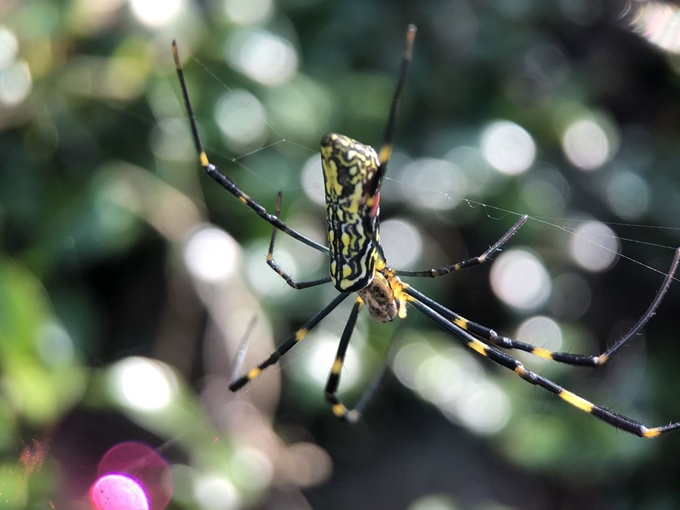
(292, 340)
(474, 261)
(499, 357)
(278, 269)
(583, 360)
(339, 409)
(386, 148)
(221, 178)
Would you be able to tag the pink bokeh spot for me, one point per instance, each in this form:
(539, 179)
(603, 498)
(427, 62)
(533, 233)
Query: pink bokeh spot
(132, 476)
(118, 492)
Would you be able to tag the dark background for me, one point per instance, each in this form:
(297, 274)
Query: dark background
(100, 191)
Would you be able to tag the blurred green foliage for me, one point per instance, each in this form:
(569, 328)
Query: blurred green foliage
(99, 191)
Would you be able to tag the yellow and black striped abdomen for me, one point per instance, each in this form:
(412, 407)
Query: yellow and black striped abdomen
(352, 182)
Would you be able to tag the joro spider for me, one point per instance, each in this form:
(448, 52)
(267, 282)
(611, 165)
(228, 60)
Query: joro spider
(352, 175)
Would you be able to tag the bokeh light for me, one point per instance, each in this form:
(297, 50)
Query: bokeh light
(118, 492)
(312, 180)
(9, 46)
(143, 384)
(155, 13)
(242, 120)
(132, 474)
(262, 56)
(103, 234)
(426, 174)
(587, 145)
(507, 147)
(211, 254)
(216, 492)
(55, 345)
(433, 502)
(453, 380)
(594, 246)
(542, 332)
(657, 22)
(15, 83)
(627, 194)
(519, 279)
(248, 12)
(401, 241)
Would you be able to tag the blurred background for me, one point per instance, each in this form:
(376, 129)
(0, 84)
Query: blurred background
(128, 279)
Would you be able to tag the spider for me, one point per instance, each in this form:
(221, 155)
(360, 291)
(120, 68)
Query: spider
(352, 177)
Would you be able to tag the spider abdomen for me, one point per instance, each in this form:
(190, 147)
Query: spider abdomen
(351, 179)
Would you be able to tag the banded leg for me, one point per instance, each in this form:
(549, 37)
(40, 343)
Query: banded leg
(278, 269)
(386, 148)
(499, 357)
(221, 178)
(333, 383)
(339, 409)
(293, 339)
(582, 360)
(475, 261)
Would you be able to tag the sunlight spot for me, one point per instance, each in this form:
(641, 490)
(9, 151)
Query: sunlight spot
(55, 345)
(312, 180)
(445, 377)
(658, 22)
(211, 254)
(627, 194)
(248, 12)
(9, 47)
(155, 13)
(594, 246)
(263, 57)
(15, 83)
(440, 380)
(143, 469)
(542, 332)
(143, 384)
(242, 119)
(216, 492)
(520, 279)
(407, 361)
(433, 502)
(455, 382)
(586, 144)
(118, 492)
(436, 183)
(507, 147)
(485, 409)
(401, 242)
